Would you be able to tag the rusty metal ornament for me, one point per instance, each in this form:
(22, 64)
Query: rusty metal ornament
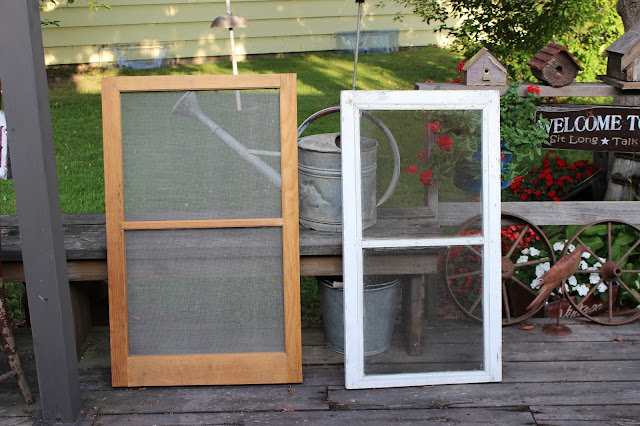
(611, 272)
(516, 294)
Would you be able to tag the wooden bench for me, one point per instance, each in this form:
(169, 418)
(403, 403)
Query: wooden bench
(320, 252)
(320, 255)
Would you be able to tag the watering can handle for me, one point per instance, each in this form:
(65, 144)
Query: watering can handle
(385, 130)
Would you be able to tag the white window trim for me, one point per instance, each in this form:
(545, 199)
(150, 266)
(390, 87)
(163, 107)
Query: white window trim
(352, 103)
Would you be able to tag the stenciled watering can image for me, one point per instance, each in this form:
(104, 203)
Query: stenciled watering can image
(319, 167)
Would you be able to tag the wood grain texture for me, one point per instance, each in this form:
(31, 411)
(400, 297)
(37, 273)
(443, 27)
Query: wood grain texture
(285, 366)
(114, 216)
(290, 229)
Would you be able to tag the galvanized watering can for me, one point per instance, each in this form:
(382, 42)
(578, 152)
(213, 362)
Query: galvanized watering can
(320, 176)
(319, 162)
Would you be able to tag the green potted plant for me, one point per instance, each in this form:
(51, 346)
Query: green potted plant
(521, 133)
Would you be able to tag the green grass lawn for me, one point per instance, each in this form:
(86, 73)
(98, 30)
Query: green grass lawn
(77, 119)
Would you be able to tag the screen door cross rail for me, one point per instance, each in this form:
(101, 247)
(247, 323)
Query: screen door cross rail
(202, 224)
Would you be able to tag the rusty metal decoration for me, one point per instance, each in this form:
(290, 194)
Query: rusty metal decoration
(516, 292)
(616, 245)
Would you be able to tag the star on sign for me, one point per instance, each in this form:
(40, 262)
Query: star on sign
(605, 141)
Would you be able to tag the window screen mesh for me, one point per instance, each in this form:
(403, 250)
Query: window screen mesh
(425, 296)
(176, 168)
(440, 162)
(450, 328)
(205, 291)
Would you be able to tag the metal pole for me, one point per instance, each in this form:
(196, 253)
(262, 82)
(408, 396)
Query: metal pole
(355, 61)
(234, 63)
(26, 100)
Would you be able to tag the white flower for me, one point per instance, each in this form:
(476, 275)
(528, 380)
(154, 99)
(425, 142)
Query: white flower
(582, 290)
(597, 265)
(584, 265)
(594, 278)
(522, 259)
(558, 246)
(542, 268)
(602, 287)
(572, 281)
(571, 248)
(586, 254)
(534, 251)
(535, 283)
(525, 250)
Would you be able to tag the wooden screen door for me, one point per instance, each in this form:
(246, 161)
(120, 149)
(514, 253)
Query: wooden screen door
(202, 229)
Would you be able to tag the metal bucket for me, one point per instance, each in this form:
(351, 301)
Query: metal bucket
(380, 302)
(320, 181)
(320, 176)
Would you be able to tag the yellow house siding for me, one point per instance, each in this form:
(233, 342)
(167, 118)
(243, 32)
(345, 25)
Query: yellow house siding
(274, 27)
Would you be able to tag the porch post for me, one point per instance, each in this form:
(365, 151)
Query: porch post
(30, 135)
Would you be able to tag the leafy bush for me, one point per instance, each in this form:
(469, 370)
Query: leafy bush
(515, 30)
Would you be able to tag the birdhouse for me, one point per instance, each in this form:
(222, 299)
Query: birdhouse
(554, 65)
(623, 56)
(484, 69)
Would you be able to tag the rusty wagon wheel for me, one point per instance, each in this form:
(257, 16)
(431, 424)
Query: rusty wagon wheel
(606, 287)
(526, 254)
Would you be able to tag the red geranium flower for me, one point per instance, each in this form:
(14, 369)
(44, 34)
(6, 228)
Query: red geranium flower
(444, 142)
(460, 66)
(533, 89)
(434, 127)
(425, 177)
(412, 170)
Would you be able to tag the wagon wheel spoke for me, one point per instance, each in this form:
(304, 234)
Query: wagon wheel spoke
(466, 274)
(590, 293)
(633, 294)
(505, 302)
(624, 256)
(475, 304)
(517, 241)
(532, 262)
(524, 286)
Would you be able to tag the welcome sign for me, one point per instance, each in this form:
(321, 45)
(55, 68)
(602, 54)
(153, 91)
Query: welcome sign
(592, 128)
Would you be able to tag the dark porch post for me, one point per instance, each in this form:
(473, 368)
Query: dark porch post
(26, 101)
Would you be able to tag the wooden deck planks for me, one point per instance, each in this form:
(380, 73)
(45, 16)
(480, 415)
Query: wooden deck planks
(379, 417)
(586, 377)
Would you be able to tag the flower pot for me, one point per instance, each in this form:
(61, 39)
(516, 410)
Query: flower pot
(593, 306)
(464, 179)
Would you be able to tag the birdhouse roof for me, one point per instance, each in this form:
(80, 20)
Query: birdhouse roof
(484, 52)
(547, 53)
(628, 46)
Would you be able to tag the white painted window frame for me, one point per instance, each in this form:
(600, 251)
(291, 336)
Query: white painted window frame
(352, 104)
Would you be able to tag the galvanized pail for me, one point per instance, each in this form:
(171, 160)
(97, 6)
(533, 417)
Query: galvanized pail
(380, 302)
(320, 176)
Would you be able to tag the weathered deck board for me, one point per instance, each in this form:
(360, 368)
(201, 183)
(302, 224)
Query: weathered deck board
(594, 414)
(379, 417)
(484, 395)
